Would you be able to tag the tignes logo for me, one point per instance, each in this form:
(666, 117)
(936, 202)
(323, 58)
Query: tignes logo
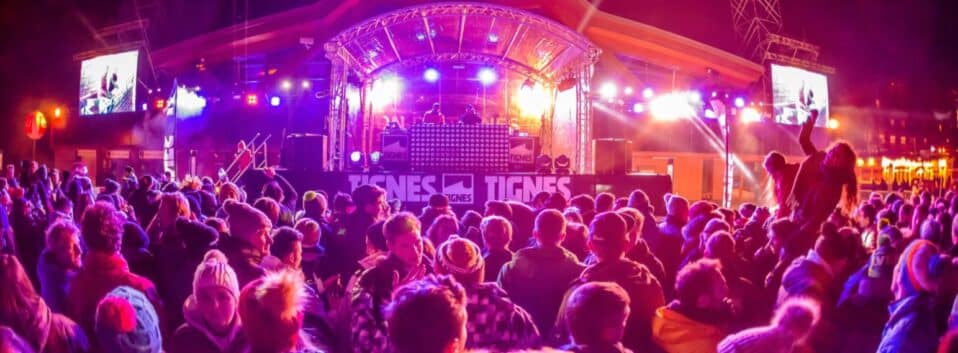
(460, 188)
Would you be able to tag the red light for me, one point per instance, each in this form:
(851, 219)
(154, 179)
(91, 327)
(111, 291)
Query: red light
(160, 103)
(252, 99)
(57, 112)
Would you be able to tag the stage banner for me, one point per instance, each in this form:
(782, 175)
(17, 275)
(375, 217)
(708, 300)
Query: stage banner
(471, 191)
(395, 148)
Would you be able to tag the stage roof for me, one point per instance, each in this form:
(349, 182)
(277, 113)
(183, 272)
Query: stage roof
(617, 37)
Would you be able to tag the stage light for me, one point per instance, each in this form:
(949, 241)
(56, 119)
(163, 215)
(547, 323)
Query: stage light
(860, 162)
(420, 36)
(750, 115)
(493, 38)
(671, 106)
(306, 84)
(628, 90)
(739, 102)
(252, 99)
(871, 161)
(144, 107)
(563, 165)
(431, 75)
(543, 164)
(533, 99)
(832, 124)
(355, 157)
(375, 157)
(286, 85)
(608, 91)
(638, 107)
(274, 101)
(57, 112)
(648, 93)
(487, 76)
(695, 97)
(932, 147)
(159, 104)
(188, 104)
(385, 91)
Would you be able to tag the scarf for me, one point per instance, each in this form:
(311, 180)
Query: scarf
(192, 315)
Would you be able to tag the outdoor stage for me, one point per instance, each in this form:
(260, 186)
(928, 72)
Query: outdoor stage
(471, 191)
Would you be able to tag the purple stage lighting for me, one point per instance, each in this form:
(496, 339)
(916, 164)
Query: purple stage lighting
(739, 102)
(431, 75)
(274, 101)
(487, 76)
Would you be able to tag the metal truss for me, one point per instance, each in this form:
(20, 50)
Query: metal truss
(753, 20)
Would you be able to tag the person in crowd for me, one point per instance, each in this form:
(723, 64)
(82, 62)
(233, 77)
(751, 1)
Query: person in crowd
(577, 240)
(538, 202)
(496, 234)
(822, 178)
(638, 249)
(863, 306)
(170, 207)
(470, 116)
(469, 227)
(178, 255)
(537, 276)
(438, 205)
(273, 191)
(743, 294)
(523, 224)
(586, 206)
(25, 313)
(781, 179)
(136, 251)
(270, 208)
(608, 241)
(288, 247)
(103, 267)
(145, 200)
(441, 229)
(59, 263)
(313, 252)
(11, 342)
(791, 324)
(248, 242)
(604, 202)
(595, 315)
(403, 264)
(28, 226)
(668, 245)
(640, 201)
(270, 310)
(253, 180)
(494, 322)
(62, 210)
(212, 321)
(127, 322)
(315, 207)
(572, 215)
(428, 316)
(695, 320)
(346, 249)
(912, 325)
(498, 208)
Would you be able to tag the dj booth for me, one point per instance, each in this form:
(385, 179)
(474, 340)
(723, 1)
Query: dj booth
(481, 148)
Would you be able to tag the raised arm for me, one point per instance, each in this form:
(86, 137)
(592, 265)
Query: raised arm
(805, 137)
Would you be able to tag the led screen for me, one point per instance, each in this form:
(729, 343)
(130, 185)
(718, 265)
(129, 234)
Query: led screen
(795, 92)
(108, 84)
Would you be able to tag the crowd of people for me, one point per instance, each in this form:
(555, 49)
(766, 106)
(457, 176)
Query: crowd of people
(154, 265)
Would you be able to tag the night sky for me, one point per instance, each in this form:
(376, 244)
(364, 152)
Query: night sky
(900, 51)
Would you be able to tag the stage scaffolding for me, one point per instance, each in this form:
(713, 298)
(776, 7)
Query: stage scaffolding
(531, 45)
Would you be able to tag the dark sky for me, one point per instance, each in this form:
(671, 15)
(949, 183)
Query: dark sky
(901, 51)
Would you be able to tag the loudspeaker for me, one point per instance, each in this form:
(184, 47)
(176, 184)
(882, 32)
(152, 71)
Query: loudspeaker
(612, 156)
(304, 152)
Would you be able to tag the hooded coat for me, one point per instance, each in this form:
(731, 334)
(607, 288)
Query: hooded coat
(194, 336)
(536, 279)
(675, 332)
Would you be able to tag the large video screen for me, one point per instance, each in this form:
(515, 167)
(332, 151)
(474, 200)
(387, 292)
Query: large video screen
(796, 92)
(108, 84)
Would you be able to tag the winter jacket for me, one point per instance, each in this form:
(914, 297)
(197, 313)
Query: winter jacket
(645, 294)
(345, 249)
(677, 333)
(495, 322)
(242, 258)
(537, 278)
(313, 261)
(54, 280)
(371, 295)
(642, 254)
(494, 260)
(101, 272)
(764, 339)
(911, 328)
(44, 330)
(668, 245)
(145, 204)
(194, 336)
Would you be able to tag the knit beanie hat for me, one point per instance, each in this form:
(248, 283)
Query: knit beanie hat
(271, 311)
(917, 269)
(609, 227)
(196, 235)
(677, 206)
(459, 257)
(215, 271)
(127, 323)
(244, 220)
(882, 260)
(700, 208)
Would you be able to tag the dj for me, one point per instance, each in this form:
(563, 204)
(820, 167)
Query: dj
(471, 117)
(434, 116)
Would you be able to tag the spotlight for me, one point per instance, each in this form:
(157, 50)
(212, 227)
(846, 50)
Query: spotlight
(385, 92)
(628, 91)
(871, 161)
(286, 85)
(375, 157)
(638, 107)
(355, 156)
(750, 115)
(144, 107)
(487, 76)
(274, 101)
(306, 84)
(431, 75)
(739, 102)
(159, 104)
(672, 106)
(252, 99)
(860, 162)
(608, 90)
(493, 38)
(57, 112)
(543, 164)
(832, 124)
(695, 97)
(563, 165)
(648, 93)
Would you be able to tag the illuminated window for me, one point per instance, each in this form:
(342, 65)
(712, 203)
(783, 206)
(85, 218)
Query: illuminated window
(881, 138)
